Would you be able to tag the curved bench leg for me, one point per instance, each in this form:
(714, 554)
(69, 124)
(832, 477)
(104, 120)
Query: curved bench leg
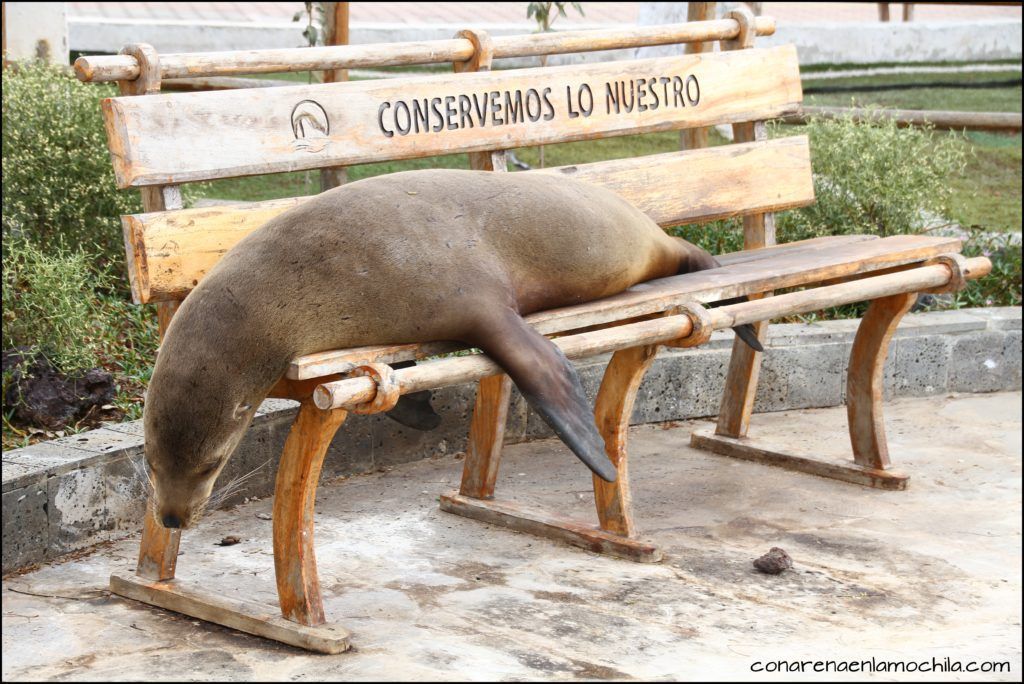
(864, 384)
(475, 499)
(865, 379)
(486, 435)
(612, 412)
(298, 586)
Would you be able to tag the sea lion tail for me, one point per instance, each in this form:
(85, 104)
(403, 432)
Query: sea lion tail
(549, 383)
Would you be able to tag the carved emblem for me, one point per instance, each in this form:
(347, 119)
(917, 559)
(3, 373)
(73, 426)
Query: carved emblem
(310, 126)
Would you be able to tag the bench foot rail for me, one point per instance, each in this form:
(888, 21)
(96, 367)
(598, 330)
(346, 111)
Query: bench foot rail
(241, 615)
(550, 526)
(837, 469)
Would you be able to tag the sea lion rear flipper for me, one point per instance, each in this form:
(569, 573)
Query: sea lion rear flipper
(414, 410)
(549, 383)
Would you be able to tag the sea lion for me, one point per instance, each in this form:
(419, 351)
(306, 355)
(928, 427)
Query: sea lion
(408, 257)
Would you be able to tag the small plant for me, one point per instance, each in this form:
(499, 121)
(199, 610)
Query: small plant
(541, 13)
(315, 16)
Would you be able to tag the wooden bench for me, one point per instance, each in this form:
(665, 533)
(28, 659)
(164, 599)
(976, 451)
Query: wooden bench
(160, 142)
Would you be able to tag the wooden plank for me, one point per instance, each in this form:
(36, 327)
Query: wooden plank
(550, 526)
(245, 616)
(700, 185)
(170, 252)
(101, 68)
(817, 260)
(200, 136)
(751, 450)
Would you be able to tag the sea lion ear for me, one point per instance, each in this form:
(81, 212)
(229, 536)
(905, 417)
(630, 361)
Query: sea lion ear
(550, 385)
(241, 410)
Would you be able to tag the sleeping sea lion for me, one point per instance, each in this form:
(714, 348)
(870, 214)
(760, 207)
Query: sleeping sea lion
(408, 257)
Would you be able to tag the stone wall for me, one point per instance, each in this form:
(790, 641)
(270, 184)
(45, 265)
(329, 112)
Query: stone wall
(70, 493)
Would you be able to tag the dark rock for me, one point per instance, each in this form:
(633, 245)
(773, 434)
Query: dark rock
(43, 397)
(774, 562)
(230, 540)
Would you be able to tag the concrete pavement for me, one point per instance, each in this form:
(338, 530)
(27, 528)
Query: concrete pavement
(933, 572)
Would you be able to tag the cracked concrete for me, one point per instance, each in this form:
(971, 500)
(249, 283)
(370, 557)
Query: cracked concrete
(931, 572)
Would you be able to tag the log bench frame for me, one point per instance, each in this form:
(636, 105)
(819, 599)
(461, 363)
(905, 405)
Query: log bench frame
(671, 312)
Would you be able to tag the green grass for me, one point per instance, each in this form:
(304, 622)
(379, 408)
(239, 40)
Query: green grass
(1004, 99)
(988, 194)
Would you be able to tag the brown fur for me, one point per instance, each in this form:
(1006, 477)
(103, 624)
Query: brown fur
(408, 257)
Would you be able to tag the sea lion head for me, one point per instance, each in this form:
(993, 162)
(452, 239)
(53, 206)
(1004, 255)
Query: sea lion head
(191, 430)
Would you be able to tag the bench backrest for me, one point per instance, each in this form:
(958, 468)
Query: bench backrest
(162, 141)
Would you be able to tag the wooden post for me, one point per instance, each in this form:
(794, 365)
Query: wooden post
(883, 11)
(697, 138)
(337, 34)
(158, 551)
(490, 413)
(758, 231)
(908, 11)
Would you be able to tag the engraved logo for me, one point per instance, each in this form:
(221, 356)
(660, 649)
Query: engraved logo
(310, 126)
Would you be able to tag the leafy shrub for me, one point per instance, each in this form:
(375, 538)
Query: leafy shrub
(58, 183)
(49, 303)
(875, 178)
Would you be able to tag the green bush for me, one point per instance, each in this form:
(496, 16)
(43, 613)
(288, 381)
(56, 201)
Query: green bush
(875, 178)
(58, 183)
(50, 305)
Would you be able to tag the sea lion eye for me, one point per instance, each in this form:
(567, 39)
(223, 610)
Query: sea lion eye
(208, 470)
(241, 410)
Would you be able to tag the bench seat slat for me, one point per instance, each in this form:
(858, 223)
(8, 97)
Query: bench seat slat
(185, 137)
(172, 250)
(790, 265)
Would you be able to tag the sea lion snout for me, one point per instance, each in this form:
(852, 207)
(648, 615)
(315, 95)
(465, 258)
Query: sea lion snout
(171, 520)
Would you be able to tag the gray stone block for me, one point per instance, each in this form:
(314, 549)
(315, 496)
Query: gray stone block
(39, 461)
(25, 526)
(918, 366)
(978, 363)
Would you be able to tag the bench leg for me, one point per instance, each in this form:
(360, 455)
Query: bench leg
(614, 406)
(612, 412)
(870, 465)
(294, 560)
(486, 435)
(740, 387)
(865, 379)
(158, 552)
(298, 586)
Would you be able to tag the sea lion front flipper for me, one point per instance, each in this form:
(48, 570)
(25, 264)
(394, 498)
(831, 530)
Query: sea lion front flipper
(414, 410)
(549, 383)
